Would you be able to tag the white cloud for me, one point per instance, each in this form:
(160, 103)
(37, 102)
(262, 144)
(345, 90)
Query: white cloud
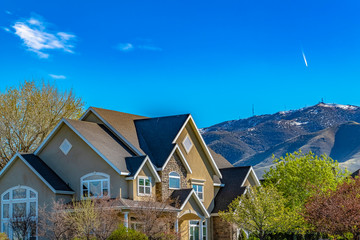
(57, 76)
(8, 12)
(125, 47)
(38, 39)
(6, 29)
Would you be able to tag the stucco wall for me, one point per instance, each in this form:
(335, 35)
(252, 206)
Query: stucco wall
(20, 174)
(200, 165)
(80, 161)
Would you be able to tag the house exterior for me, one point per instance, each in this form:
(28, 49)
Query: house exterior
(119, 155)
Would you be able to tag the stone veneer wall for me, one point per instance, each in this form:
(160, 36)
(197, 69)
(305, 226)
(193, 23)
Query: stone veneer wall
(174, 165)
(223, 230)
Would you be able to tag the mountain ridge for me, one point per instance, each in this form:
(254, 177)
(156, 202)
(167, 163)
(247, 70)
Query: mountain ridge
(248, 141)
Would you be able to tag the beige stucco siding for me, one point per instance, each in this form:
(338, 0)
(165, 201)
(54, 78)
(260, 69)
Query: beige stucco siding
(133, 185)
(80, 161)
(20, 174)
(200, 165)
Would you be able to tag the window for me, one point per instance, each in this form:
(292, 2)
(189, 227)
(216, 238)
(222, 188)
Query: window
(195, 230)
(199, 190)
(19, 203)
(174, 180)
(65, 147)
(95, 185)
(144, 186)
(187, 143)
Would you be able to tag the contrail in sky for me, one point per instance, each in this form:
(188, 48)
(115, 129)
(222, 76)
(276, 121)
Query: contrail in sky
(304, 58)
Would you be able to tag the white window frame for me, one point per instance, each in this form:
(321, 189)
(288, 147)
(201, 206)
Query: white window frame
(198, 226)
(107, 178)
(138, 186)
(176, 177)
(196, 189)
(187, 137)
(65, 151)
(27, 200)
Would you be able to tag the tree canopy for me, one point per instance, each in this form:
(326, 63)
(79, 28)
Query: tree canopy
(336, 212)
(261, 211)
(297, 174)
(29, 112)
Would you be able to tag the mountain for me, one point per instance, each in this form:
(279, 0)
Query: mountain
(322, 128)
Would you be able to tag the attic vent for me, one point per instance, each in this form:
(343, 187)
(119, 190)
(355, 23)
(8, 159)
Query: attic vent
(187, 143)
(65, 147)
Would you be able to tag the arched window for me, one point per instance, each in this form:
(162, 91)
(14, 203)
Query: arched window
(174, 180)
(19, 211)
(95, 185)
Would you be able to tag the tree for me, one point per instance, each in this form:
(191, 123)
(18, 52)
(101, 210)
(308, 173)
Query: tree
(295, 175)
(94, 218)
(261, 211)
(53, 223)
(124, 233)
(28, 114)
(22, 224)
(336, 212)
(157, 218)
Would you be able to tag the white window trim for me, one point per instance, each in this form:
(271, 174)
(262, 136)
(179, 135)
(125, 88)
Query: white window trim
(177, 177)
(138, 186)
(197, 192)
(11, 201)
(102, 180)
(183, 143)
(194, 225)
(65, 152)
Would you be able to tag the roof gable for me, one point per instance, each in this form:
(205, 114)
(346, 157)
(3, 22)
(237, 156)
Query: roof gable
(122, 124)
(233, 179)
(99, 139)
(182, 197)
(136, 164)
(43, 171)
(191, 121)
(156, 136)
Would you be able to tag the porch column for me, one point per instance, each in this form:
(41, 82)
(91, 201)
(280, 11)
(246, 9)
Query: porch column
(206, 225)
(201, 229)
(126, 219)
(177, 225)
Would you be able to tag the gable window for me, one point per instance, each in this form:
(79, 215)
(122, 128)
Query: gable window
(174, 180)
(65, 146)
(187, 143)
(144, 185)
(95, 185)
(199, 190)
(16, 204)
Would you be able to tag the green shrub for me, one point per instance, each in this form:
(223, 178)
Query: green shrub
(3, 236)
(242, 235)
(123, 233)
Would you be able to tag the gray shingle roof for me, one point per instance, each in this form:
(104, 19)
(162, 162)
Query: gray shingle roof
(104, 141)
(356, 173)
(133, 164)
(232, 178)
(123, 124)
(156, 135)
(220, 161)
(46, 172)
(179, 196)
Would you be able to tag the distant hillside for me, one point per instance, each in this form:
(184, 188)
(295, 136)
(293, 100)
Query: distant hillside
(323, 128)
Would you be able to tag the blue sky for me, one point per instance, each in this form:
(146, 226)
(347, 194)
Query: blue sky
(214, 59)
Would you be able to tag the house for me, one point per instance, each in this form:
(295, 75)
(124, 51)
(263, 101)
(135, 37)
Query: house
(109, 153)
